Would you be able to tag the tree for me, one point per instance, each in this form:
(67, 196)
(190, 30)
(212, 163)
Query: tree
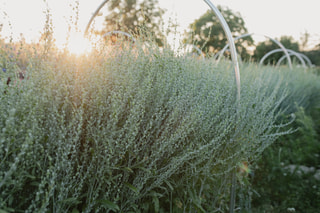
(207, 32)
(267, 46)
(305, 37)
(132, 16)
(314, 55)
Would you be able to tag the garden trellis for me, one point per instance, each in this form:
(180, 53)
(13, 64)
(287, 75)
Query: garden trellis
(220, 54)
(302, 57)
(287, 52)
(290, 52)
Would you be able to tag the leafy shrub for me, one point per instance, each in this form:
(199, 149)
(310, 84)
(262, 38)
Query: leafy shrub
(129, 129)
(288, 173)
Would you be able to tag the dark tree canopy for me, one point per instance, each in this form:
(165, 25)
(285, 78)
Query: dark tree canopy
(208, 33)
(131, 16)
(267, 46)
(314, 55)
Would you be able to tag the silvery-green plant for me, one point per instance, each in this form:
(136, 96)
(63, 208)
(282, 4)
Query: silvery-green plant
(132, 129)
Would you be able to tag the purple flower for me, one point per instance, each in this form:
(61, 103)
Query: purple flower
(4, 69)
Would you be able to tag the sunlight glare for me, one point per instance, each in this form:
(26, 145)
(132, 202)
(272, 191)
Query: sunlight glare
(78, 44)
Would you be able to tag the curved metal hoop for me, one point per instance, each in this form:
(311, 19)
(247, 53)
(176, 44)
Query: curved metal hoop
(119, 32)
(196, 48)
(280, 50)
(234, 55)
(293, 54)
(224, 26)
(306, 59)
(250, 34)
(93, 16)
(217, 56)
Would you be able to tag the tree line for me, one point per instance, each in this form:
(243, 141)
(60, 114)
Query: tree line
(205, 32)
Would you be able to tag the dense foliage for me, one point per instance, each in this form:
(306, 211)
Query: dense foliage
(287, 177)
(288, 174)
(132, 15)
(132, 129)
(314, 56)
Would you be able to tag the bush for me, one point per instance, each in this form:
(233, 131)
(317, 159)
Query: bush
(128, 129)
(289, 174)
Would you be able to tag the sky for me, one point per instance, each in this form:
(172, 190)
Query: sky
(273, 18)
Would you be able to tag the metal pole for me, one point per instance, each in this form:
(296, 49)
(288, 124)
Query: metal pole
(293, 53)
(234, 58)
(93, 16)
(250, 34)
(290, 52)
(231, 43)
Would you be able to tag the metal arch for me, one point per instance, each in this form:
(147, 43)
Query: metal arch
(250, 34)
(224, 49)
(224, 26)
(215, 57)
(306, 58)
(303, 56)
(93, 16)
(119, 32)
(280, 50)
(233, 50)
(200, 53)
(234, 58)
(298, 55)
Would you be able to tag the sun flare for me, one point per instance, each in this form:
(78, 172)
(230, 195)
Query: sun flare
(78, 44)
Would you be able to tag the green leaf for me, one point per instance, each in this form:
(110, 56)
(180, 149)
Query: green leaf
(134, 189)
(30, 176)
(75, 211)
(144, 169)
(155, 201)
(127, 169)
(109, 205)
(7, 210)
(199, 207)
(34, 183)
(195, 200)
(169, 184)
(71, 200)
